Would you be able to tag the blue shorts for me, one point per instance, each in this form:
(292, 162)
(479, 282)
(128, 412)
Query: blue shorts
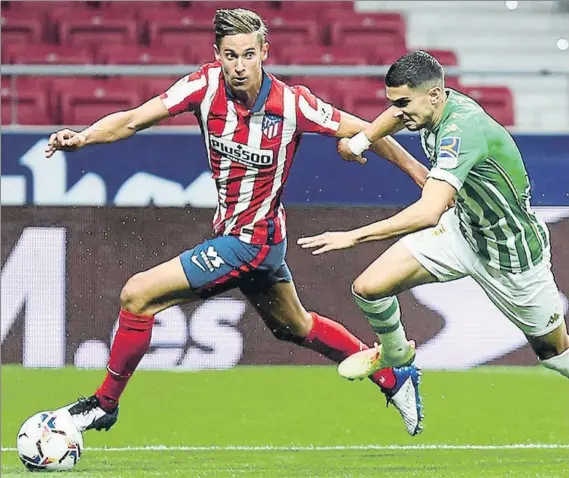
(225, 262)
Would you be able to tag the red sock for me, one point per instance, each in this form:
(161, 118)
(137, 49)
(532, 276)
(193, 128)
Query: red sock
(334, 341)
(131, 343)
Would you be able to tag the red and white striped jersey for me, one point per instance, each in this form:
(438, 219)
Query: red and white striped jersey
(250, 152)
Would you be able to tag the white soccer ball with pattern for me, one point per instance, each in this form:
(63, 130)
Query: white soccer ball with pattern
(49, 441)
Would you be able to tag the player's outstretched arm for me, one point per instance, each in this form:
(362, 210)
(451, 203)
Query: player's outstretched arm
(383, 144)
(422, 214)
(114, 127)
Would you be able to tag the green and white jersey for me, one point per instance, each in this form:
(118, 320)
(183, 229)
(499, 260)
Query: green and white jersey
(477, 156)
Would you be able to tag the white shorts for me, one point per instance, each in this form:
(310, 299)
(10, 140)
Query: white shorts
(531, 299)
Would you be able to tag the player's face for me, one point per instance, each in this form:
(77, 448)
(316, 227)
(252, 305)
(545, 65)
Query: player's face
(241, 57)
(414, 106)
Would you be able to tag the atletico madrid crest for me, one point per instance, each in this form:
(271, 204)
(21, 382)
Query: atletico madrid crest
(271, 125)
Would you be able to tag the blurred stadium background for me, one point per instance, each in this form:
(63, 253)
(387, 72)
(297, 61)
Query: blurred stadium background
(76, 227)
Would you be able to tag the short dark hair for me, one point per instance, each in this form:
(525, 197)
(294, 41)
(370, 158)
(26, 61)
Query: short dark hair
(415, 69)
(238, 20)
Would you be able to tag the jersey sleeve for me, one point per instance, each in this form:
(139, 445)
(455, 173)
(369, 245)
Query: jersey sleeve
(314, 115)
(186, 94)
(457, 152)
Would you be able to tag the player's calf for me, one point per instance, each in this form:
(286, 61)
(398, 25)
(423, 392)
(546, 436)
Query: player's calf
(384, 316)
(131, 342)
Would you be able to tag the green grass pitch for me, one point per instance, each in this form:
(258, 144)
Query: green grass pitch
(305, 422)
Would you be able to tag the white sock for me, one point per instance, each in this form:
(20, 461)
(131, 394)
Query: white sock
(384, 316)
(559, 363)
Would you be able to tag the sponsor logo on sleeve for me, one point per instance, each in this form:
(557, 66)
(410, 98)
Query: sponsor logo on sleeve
(449, 150)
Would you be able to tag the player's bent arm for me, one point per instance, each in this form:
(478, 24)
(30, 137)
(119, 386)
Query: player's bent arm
(424, 213)
(391, 150)
(384, 145)
(123, 124)
(387, 123)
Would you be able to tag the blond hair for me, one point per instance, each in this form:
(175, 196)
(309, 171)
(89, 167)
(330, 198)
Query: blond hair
(236, 21)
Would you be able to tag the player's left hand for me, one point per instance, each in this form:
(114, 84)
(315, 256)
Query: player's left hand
(347, 154)
(328, 241)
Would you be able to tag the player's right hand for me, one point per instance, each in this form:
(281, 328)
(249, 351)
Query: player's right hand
(64, 140)
(347, 154)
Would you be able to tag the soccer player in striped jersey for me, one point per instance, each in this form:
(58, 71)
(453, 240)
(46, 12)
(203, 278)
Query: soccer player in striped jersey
(491, 234)
(252, 124)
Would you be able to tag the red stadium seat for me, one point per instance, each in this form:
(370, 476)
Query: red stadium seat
(452, 82)
(444, 57)
(200, 51)
(44, 6)
(45, 53)
(30, 104)
(96, 28)
(292, 30)
(249, 5)
(321, 55)
(149, 87)
(21, 27)
(321, 86)
(90, 100)
(377, 29)
(140, 55)
(347, 85)
(305, 8)
(175, 29)
(137, 7)
(367, 103)
(379, 54)
(496, 100)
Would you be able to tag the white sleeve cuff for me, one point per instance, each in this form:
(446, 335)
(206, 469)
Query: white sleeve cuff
(445, 176)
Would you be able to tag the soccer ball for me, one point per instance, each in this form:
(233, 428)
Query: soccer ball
(49, 441)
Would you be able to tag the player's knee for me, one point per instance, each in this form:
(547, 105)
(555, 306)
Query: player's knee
(294, 327)
(302, 326)
(132, 296)
(366, 289)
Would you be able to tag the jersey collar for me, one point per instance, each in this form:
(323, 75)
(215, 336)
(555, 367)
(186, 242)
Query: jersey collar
(266, 84)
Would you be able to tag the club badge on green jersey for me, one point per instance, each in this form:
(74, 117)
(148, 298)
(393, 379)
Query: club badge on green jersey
(449, 149)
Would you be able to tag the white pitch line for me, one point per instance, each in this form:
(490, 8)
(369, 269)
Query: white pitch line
(519, 446)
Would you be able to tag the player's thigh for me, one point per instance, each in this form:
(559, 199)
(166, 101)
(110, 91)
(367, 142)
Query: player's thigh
(221, 263)
(436, 254)
(209, 268)
(274, 297)
(531, 300)
(157, 288)
(394, 271)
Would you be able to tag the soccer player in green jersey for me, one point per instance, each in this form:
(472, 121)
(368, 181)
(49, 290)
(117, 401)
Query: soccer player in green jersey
(473, 219)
